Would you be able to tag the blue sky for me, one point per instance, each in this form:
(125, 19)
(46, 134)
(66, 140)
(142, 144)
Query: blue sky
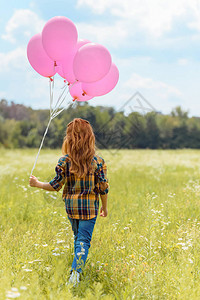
(155, 44)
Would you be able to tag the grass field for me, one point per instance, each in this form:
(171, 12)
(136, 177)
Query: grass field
(148, 247)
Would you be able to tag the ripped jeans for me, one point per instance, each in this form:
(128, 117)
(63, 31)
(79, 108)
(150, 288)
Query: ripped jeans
(83, 230)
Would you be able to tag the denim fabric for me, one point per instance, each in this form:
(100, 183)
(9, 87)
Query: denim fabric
(83, 230)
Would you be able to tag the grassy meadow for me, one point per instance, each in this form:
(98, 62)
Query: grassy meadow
(148, 247)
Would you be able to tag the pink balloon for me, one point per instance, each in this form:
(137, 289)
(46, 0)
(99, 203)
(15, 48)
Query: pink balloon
(103, 86)
(81, 43)
(76, 92)
(59, 37)
(91, 62)
(38, 58)
(65, 67)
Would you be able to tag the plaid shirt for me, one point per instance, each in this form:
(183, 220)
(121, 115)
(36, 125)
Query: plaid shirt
(81, 195)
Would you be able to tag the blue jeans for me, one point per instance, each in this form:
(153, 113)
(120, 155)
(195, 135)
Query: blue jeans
(83, 230)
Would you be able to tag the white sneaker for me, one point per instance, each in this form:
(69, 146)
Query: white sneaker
(74, 278)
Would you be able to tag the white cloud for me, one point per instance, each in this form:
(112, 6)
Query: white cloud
(2, 94)
(103, 34)
(97, 6)
(13, 60)
(160, 88)
(22, 81)
(23, 24)
(194, 23)
(183, 61)
(153, 17)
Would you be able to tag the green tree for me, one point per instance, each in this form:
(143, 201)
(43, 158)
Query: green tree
(152, 131)
(135, 131)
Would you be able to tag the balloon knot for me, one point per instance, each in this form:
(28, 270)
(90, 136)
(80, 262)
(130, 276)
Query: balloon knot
(51, 79)
(65, 81)
(83, 94)
(73, 99)
(55, 64)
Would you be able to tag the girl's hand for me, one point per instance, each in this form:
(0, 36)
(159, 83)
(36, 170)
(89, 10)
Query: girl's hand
(33, 181)
(103, 212)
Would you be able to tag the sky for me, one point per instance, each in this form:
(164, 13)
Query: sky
(155, 45)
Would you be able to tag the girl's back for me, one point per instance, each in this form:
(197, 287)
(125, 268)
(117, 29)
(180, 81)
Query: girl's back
(81, 194)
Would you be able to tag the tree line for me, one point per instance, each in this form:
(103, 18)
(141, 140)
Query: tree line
(22, 127)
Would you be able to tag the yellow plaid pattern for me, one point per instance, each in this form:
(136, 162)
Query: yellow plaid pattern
(81, 195)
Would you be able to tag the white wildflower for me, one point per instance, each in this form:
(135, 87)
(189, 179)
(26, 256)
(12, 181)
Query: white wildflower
(55, 249)
(60, 241)
(38, 260)
(14, 289)
(185, 248)
(81, 253)
(13, 294)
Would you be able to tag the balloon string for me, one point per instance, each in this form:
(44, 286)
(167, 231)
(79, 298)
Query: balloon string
(56, 114)
(41, 144)
(50, 94)
(72, 84)
(53, 113)
(59, 101)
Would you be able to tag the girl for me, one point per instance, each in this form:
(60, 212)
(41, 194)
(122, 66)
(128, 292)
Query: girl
(84, 176)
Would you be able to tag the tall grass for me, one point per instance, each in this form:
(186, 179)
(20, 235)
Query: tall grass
(147, 247)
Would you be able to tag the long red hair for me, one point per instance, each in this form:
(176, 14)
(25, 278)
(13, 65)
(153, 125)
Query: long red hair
(79, 144)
